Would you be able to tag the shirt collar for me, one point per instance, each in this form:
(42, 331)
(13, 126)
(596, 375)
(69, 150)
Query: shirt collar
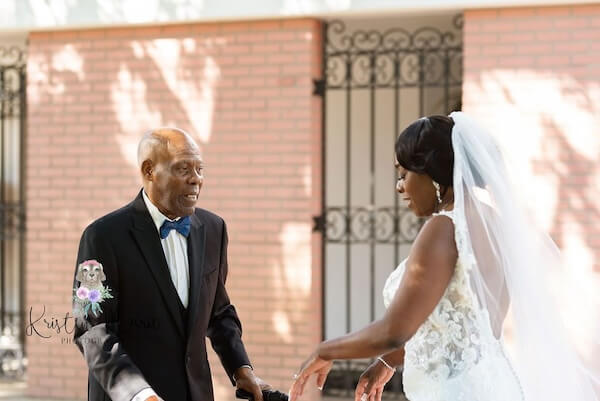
(157, 217)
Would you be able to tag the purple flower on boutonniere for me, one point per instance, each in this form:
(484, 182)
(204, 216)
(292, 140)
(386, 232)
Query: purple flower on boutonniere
(91, 291)
(94, 296)
(82, 292)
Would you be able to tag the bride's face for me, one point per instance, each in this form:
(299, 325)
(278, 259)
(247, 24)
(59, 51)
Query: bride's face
(416, 189)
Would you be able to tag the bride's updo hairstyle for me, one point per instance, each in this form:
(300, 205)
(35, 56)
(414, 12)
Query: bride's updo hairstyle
(425, 147)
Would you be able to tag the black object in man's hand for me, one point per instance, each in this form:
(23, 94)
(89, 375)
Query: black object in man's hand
(268, 395)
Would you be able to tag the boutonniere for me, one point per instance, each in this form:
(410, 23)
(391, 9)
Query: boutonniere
(91, 292)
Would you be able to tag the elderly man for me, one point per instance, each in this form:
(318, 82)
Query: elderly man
(163, 266)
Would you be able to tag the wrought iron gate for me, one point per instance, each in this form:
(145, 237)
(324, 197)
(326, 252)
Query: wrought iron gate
(410, 74)
(12, 208)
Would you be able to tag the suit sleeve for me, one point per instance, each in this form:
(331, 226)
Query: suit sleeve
(225, 328)
(96, 335)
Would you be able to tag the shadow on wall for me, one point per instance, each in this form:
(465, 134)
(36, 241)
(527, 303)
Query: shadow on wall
(91, 96)
(123, 87)
(547, 124)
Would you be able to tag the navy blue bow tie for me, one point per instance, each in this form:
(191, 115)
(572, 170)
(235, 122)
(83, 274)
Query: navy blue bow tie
(182, 226)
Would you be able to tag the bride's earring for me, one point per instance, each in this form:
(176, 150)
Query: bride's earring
(437, 192)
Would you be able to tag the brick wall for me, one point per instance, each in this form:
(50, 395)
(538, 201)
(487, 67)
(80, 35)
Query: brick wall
(244, 90)
(532, 74)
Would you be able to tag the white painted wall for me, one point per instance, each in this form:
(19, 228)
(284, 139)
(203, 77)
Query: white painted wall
(385, 177)
(9, 39)
(47, 14)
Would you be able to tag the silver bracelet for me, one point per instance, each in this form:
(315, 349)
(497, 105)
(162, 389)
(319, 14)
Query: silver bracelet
(387, 365)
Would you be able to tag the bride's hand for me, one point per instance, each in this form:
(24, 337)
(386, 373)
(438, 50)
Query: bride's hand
(371, 382)
(313, 365)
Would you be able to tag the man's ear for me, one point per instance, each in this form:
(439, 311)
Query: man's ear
(147, 170)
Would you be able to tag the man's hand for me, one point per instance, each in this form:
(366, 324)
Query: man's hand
(372, 381)
(246, 380)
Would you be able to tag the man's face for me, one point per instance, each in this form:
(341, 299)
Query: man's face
(177, 178)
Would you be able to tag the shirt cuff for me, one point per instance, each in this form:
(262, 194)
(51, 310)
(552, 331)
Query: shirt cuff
(143, 394)
(243, 366)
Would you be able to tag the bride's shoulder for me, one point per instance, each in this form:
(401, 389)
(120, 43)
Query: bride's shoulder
(436, 238)
(439, 225)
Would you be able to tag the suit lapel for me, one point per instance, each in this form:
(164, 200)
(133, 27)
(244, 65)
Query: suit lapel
(145, 234)
(195, 246)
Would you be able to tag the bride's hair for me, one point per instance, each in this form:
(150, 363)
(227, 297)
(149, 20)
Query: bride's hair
(425, 147)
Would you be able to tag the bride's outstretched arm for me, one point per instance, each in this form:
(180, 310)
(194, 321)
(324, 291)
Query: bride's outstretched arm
(428, 271)
(395, 357)
(373, 380)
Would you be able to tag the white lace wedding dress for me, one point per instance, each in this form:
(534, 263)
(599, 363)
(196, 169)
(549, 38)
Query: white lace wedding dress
(454, 356)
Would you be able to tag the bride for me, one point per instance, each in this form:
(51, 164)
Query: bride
(477, 254)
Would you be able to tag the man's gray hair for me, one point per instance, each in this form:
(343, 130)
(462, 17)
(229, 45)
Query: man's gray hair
(149, 144)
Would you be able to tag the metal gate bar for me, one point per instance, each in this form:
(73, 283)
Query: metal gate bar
(371, 60)
(12, 209)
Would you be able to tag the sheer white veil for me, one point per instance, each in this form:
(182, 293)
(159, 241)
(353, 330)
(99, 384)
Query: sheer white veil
(511, 261)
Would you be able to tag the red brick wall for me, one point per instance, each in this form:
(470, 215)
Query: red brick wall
(244, 90)
(532, 74)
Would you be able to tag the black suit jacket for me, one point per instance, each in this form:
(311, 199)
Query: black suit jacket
(144, 336)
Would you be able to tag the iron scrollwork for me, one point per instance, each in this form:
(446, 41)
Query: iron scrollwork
(363, 224)
(427, 57)
(381, 61)
(12, 209)
(12, 65)
(12, 93)
(12, 220)
(12, 56)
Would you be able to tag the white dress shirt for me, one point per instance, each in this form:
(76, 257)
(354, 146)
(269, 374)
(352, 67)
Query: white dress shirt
(175, 249)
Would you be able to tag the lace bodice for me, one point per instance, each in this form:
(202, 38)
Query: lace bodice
(454, 355)
(450, 340)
